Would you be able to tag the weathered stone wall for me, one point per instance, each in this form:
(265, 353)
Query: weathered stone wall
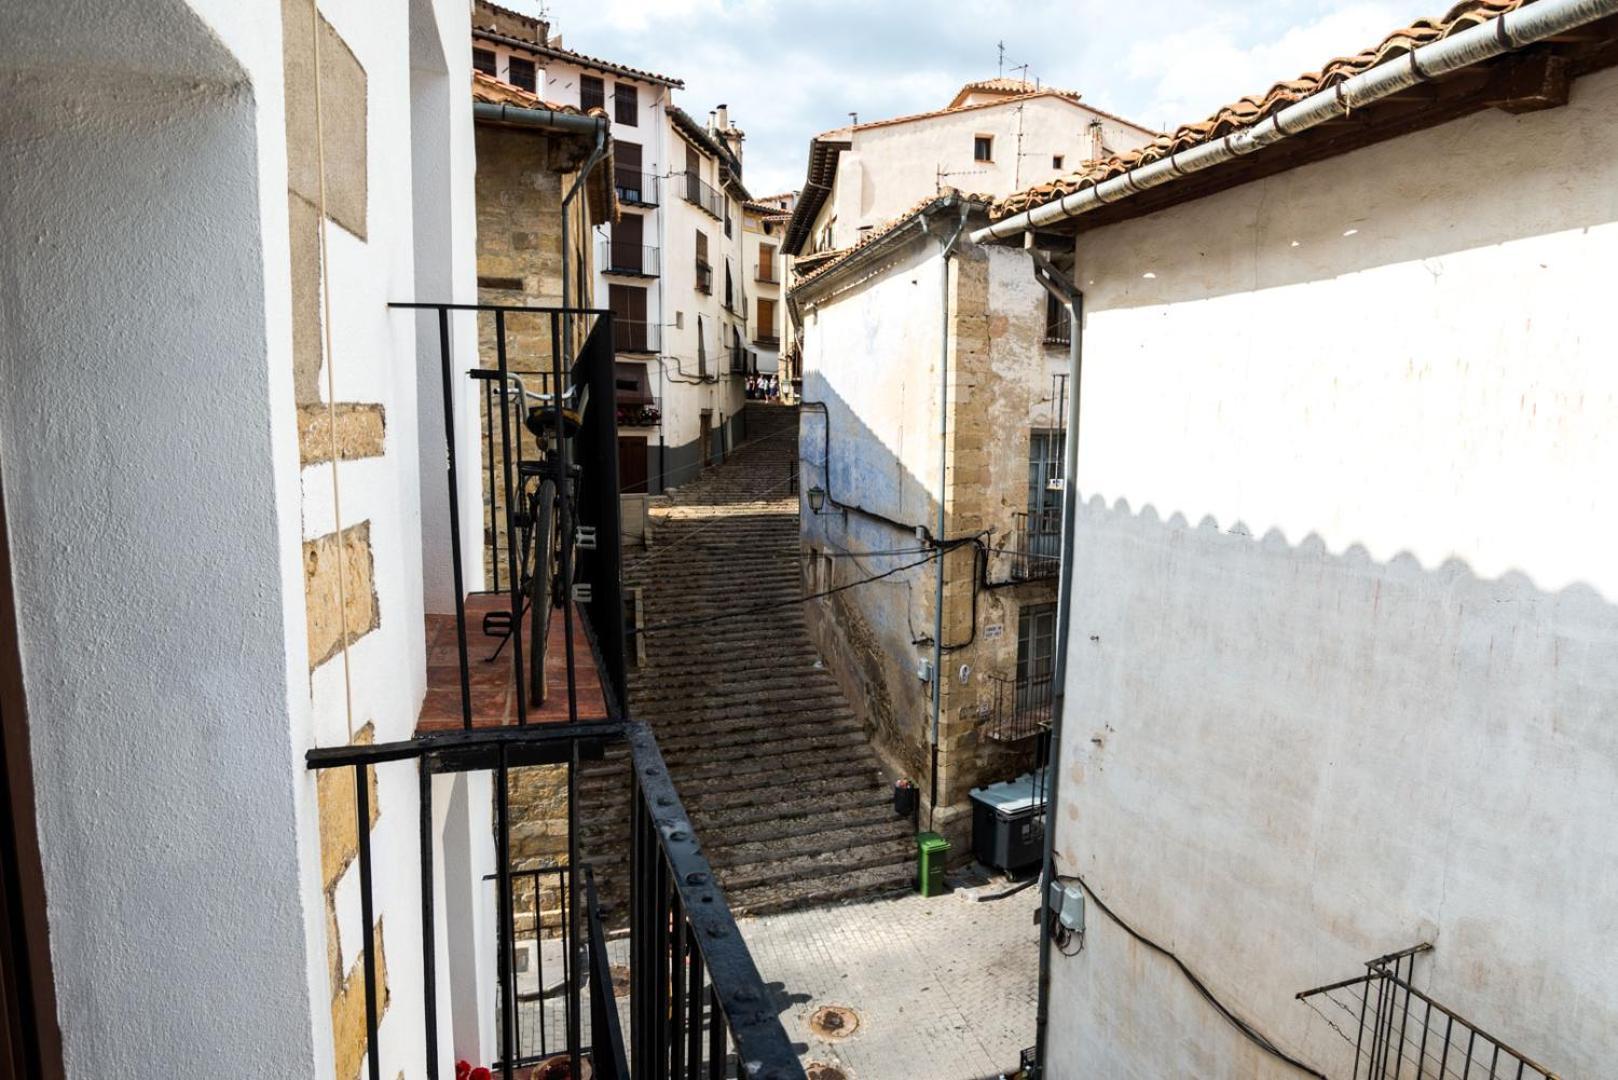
(1000, 388)
(884, 456)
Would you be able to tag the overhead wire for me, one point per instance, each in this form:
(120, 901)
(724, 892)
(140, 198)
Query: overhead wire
(759, 609)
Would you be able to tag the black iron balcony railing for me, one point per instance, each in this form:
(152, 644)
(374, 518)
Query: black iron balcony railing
(1038, 539)
(742, 360)
(769, 273)
(646, 412)
(1059, 329)
(704, 278)
(706, 1012)
(637, 188)
(638, 260)
(696, 997)
(1022, 709)
(638, 336)
(699, 193)
(767, 341)
(1396, 1028)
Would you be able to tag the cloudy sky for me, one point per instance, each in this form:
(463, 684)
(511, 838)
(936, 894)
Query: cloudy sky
(791, 68)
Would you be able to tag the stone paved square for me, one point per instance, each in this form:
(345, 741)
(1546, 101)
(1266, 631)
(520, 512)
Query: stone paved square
(944, 987)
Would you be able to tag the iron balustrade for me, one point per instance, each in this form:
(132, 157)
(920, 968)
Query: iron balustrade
(639, 260)
(638, 335)
(701, 194)
(742, 359)
(1398, 1031)
(767, 273)
(767, 341)
(1022, 708)
(706, 1011)
(496, 750)
(571, 348)
(646, 412)
(1038, 536)
(704, 277)
(637, 188)
(535, 1032)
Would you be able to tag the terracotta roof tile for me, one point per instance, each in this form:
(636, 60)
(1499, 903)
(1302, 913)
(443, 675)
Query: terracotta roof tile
(491, 91)
(1060, 95)
(1004, 85)
(1250, 110)
(556, 52)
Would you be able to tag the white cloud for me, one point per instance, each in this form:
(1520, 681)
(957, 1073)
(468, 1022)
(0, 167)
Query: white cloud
(789, 69)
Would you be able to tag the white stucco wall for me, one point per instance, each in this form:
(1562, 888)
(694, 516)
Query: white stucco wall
(1344, 652)
(889, 168)
(136, 381)
(157, 512)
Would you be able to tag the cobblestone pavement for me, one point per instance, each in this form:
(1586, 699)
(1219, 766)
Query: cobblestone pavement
(944, 987)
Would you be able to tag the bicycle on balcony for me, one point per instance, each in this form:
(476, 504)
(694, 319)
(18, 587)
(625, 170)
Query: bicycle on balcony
(546, 503)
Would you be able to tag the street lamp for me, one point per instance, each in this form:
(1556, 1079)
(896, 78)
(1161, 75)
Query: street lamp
(817, 498)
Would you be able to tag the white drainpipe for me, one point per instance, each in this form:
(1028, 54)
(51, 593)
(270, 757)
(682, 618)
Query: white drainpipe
(1513, 30)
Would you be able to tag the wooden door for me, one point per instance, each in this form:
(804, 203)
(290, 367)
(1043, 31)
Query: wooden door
(628, 305)
(631, 465)
(706, 439)
(627, 174)
(628, 234)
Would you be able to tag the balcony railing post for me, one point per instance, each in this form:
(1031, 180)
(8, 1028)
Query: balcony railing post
(514, 570)
(429, 950)
(458, 578)
(362, 811)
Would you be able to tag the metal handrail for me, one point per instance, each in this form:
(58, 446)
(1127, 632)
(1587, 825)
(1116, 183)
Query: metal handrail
(698, 1002)
(701, 194)
(1038, 538)
(637, 188)
(621, 258)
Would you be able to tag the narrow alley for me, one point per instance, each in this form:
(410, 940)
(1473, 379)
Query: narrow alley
(769, 759)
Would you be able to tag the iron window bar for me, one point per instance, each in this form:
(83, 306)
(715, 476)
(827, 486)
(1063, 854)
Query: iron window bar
(704, 277)
(1038, 553)
(636, 260)
(1022, 708)
(638, 335)
(767, 273)
(1400, 1031)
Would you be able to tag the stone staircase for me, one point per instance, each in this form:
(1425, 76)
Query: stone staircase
(783, 789)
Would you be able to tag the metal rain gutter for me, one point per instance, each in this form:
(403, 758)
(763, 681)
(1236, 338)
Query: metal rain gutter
(1528, 24)
(546, 118)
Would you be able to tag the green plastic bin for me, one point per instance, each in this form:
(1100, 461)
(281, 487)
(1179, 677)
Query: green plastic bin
(930, 852)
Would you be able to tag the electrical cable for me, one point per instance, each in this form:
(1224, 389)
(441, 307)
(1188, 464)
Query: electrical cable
(1253, 1035)
(680, 624)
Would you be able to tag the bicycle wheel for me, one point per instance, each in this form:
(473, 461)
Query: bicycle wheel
(541, 588)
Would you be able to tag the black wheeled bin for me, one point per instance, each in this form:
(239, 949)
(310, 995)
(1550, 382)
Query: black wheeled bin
(1008, 823)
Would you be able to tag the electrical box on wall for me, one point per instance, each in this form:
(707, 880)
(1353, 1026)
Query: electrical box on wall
(1066, 900)
(924, 670)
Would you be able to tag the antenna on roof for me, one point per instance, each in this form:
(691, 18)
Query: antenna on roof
(1024, 69)
(854, 118)
(1000, 70)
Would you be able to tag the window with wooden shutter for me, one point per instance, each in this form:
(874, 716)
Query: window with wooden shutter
(483, 60)
(982, 148)
(764, 330)
(592, 93)
(625, 105)
(520, 72)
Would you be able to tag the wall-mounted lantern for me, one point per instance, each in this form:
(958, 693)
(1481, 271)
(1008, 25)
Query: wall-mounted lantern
(817, 498)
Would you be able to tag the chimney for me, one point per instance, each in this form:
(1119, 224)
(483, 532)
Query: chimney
(724, 117)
